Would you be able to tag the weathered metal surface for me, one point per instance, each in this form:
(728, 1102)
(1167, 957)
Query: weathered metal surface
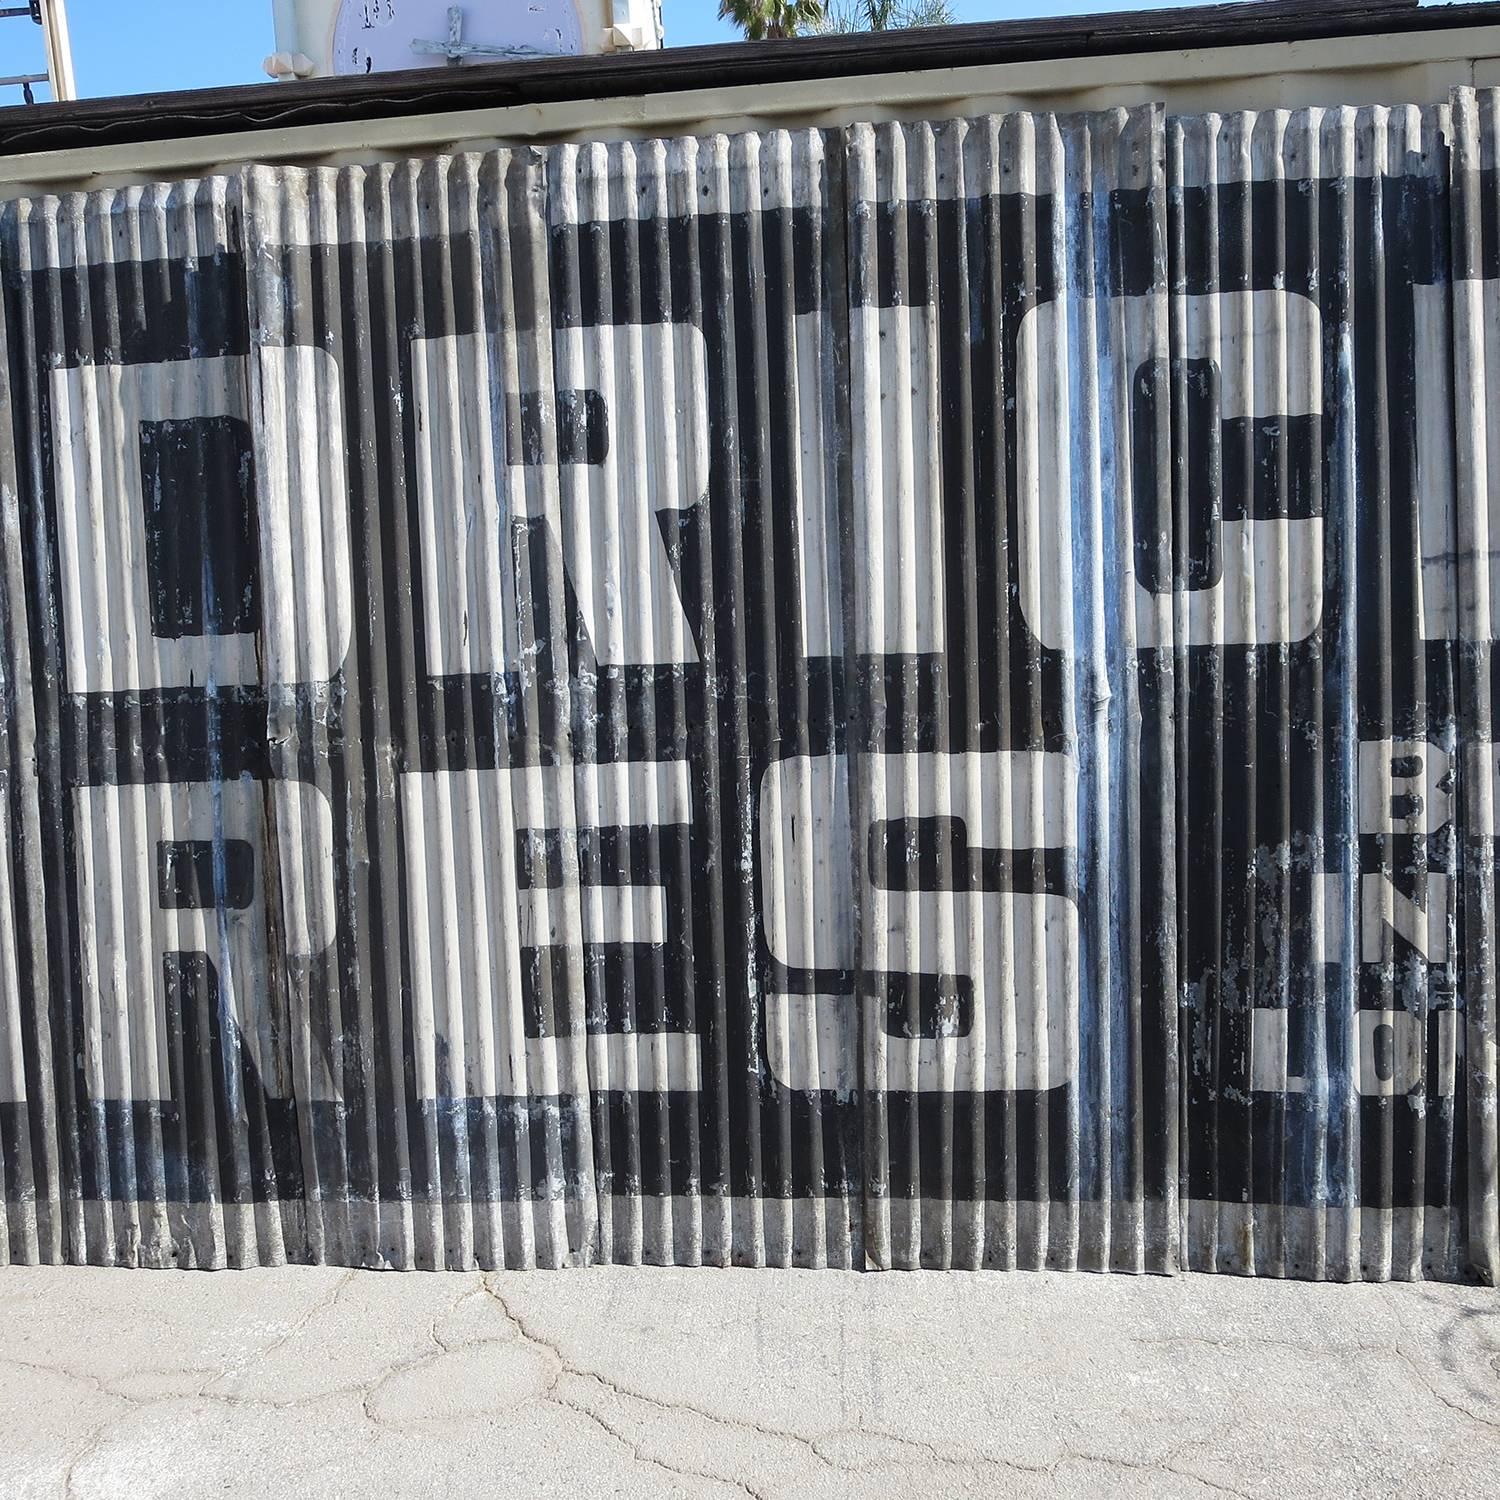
(1323, 1094)
(1472, 623)
(1018, 948)
(909, 695)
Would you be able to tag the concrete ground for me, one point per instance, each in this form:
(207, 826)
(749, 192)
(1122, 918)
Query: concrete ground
(308, 1382)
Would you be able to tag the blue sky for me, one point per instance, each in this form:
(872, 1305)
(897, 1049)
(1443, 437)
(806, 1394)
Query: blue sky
(140, 46)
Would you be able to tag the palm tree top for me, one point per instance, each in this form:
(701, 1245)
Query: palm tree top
(767, 20)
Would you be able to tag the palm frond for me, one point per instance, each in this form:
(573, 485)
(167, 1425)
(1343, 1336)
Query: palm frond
(761, 20)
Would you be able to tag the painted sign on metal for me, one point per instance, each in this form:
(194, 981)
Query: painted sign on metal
(909, 695)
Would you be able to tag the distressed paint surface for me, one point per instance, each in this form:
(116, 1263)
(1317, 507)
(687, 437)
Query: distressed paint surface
(912, 695)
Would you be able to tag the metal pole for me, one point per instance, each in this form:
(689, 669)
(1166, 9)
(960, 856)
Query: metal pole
(59, 49)
(284, 17)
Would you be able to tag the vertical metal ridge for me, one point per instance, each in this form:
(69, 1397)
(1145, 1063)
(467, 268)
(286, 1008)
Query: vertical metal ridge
(758, 481)
(445, 825)
(55, 1022)
(32, 1203)
(741, 1117)
(296, 210)
(1318, 976)
(710, 253)
(963, 752)
(1475, 129)
(145, 1145)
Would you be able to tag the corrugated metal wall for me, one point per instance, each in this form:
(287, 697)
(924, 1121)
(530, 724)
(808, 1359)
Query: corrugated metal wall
(1473, 626)
(912, 695)
(1018, 952)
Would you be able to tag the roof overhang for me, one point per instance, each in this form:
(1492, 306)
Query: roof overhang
(1271, 54)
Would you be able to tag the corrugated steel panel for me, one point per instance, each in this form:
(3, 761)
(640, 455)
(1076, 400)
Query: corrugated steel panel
(141, 736)
(913, 695)
(29, 1145)
(1018, 951)
(1322, 1112)
(1473, 622)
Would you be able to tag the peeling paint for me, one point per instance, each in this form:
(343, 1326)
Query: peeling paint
(909, 695)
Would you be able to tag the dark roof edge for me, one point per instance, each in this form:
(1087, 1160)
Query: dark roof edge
(280, 106)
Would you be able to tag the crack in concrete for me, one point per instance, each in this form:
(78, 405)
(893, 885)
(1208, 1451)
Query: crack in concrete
(1237, 1345)
(91, 1441)
(1066, 1458)
(92, 1381)
(631, 1430)
(365, 1391)
(1424, 1378)
(440, 1350)
(324, 1304)
(930, 1452)
(567, 1366)
(641, 1457)
(1167, 1465)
